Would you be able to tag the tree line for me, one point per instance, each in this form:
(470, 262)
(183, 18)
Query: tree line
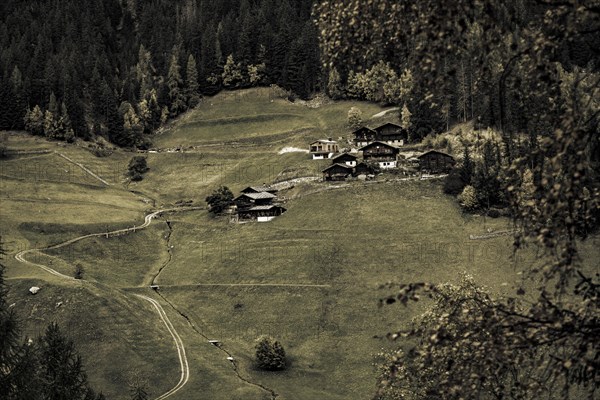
(78, 69)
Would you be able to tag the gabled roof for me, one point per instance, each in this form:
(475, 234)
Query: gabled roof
(435, 151)
(255, 196)
(363, 128)
(324, 141)
(258, 189)
(388, 124)
(345, 155)
(379, 144)
(338, 165)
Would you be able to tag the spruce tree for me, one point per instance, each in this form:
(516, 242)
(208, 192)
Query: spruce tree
(193, 97)
(175, 83)
(62, 369)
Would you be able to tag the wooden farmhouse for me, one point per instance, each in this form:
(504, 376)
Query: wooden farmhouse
(345, 158)
(363, 136)
(391, 134)
(386, 155)
(337, 172)
(253, 205)
(246, 200)
(321, 149)
(435, 161)
(262, 213)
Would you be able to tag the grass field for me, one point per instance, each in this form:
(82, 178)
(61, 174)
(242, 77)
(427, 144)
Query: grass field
(310, 277)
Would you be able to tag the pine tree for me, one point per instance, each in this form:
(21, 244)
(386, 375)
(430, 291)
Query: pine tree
(138, 392)
(19, 365)
(232, 73)
(50, 125)
(270, 354)
(334, 84)
(62, 369)
(144, 72)
(405, 115)
(34, 121)
(175, 83)
(466, 170)
(64, 124)
(193, 97)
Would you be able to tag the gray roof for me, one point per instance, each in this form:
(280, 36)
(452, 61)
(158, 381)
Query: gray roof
(344, 154)
(260, 195)
(263, 208)
(339, 165)
(435, 151)
(324, 141)
(260, 188)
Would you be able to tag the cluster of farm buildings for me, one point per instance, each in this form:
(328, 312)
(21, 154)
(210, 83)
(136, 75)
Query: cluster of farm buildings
(257, 203)
(380, 149)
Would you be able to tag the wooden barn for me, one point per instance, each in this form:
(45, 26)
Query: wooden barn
(435, 161)
(363, 136)
(391, 134)
(383, 153)
(345, 158)
(337, 172)
(320, 149)
(362, 168)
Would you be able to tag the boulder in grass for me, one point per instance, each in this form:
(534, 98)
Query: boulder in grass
(34, 289)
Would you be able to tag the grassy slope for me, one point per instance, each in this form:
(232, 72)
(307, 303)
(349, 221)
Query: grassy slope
(351, 239)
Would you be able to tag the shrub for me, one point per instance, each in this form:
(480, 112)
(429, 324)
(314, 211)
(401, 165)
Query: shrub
(219, 200)
(137, 167)
(454, 184)
(78, 274)
(468, 198)
(270, 355)
(493, 213)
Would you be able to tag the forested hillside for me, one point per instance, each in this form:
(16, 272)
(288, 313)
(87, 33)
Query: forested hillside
(79, 68)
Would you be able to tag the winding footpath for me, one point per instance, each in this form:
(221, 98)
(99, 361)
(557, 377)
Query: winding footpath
(183, 361)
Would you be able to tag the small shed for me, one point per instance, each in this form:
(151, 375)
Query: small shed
(345, 158)
(362, 169)
(337, 172)
(436, 161)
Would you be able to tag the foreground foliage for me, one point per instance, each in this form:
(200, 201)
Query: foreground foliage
(49, 368)
(529, 70)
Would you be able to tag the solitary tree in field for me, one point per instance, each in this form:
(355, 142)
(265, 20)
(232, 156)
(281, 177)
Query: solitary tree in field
(219, 200)
(138, 166)
(270, 354)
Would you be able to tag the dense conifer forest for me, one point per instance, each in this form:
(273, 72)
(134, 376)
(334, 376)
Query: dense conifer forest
(119, 68)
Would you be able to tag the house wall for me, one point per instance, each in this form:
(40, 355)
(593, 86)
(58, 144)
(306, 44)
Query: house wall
(387, 164)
